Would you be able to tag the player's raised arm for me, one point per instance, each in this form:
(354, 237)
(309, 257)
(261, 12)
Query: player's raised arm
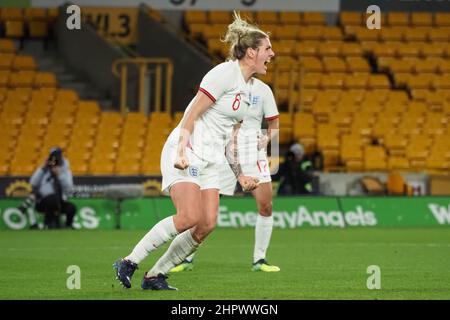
(201, 103)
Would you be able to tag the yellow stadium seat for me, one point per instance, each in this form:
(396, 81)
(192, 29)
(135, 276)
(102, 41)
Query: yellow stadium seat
(379, 82)
(364, 34)
(352, 157)
(306, 48)
(196, 29)
(329, 48)
(101, 168)
(79, 169)
(442, 19)
(416, 34)
(333, 81)
(408, 50)
(422, 82)
(41, 97)
(421, 19)
(214, 31)
(357, 64)
(430, 50)
(334, 64)
(396, 144)
(347, 18)
(21, 169)
(348, 49)
(266, 17)
(374, 158)
(127, 168)
(356, 81)
(22, 79)
(310, 33)
(159, 118)
(288, 32)
(398, 163)
(19, 94)
(6, 61)
(426, 66)
(285, 47)
(311, 80)
(4, 78)
(417, 152)
(31, 14)
(392, 33)
(311, 64)
(303, 118)
(24, 62)
(66, 95)
(290, 18)
(216, 16)
(313, 18)
(45, 79)
(437, 163)
(383, 50)
(90, 107)
(441, 82)
(397, 18)
(332, 34)
(11, 13)
(438, 35)
(401, 66)
(195, 17)
(14, 29)
(148, 168)
(7, 46)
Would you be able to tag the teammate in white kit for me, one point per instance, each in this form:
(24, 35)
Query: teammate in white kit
(193, 154)
(253, 159)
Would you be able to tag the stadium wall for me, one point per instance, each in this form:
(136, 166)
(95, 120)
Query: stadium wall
(289, 212)
(95, 59)
(397, 5)
(189, 64)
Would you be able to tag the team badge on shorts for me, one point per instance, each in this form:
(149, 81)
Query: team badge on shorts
(193, 171)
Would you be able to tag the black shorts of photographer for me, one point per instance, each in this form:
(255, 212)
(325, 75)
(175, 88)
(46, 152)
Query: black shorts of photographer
(53, 207)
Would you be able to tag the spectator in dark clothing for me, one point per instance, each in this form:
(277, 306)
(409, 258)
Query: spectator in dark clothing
(51, 184)
(295, 173)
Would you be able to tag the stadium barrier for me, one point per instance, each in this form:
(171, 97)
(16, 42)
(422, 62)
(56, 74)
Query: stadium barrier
(289, 212)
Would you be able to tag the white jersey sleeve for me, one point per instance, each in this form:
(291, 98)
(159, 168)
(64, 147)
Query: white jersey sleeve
(217, 81)
(270, 109)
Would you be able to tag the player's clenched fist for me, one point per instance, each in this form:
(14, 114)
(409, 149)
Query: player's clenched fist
(248, 183)
(181, 162)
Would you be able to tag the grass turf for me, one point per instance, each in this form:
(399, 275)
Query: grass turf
(315, 264)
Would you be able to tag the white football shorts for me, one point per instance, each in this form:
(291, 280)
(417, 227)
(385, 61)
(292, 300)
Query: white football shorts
(259, 169)
(200, 172)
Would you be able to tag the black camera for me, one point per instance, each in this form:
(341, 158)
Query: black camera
(55, 158)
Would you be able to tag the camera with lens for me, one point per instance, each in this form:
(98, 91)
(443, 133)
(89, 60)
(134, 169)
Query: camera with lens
(54, 159)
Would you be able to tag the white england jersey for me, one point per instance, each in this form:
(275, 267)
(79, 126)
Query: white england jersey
(226, 87)
(262, 105)
(254, 163)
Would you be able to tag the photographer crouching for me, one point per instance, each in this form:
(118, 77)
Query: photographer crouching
(51, 184)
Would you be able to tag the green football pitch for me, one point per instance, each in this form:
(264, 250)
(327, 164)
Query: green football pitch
(315, 264)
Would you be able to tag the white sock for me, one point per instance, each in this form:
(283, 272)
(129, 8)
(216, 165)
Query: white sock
(161, 232)
(180, 248)
(263, 231)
